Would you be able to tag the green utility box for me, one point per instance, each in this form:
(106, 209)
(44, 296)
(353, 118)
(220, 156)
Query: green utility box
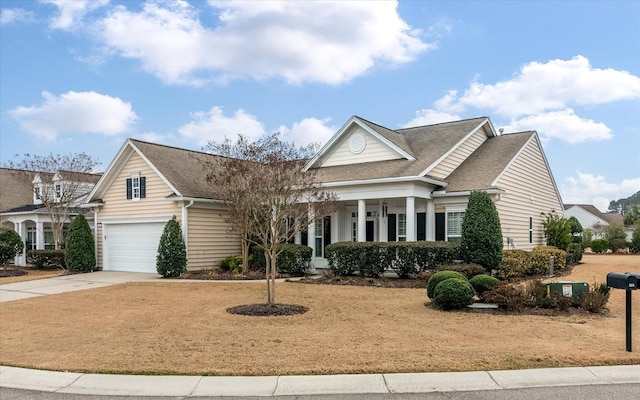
(574, 290)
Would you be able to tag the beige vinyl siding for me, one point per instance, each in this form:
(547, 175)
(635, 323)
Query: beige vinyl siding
(116, 204)
(208, 238)
(456, 157)
(530, 191)
(374, 151)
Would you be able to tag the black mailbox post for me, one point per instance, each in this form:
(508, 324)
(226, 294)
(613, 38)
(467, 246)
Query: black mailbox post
(627, 281)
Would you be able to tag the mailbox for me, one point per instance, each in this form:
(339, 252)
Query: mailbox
(626, 281)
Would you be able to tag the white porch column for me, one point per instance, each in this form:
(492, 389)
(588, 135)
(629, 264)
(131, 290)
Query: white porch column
(21, 230)
(311, 234)
(411, 219)
(362, 221)
(431, 221)
(335, 227)
(39, 235)
(383, 230)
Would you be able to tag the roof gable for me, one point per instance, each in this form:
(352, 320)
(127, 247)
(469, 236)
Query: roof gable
(360, 141)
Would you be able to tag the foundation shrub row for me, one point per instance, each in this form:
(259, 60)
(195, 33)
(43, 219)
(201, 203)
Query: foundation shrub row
(371, 259)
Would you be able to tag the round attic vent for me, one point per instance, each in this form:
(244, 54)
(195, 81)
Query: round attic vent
(357, 143)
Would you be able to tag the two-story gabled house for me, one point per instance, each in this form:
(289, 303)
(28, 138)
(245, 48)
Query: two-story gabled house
(393, 185)
(22, 198)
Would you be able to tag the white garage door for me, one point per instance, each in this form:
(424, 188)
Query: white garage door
(132, 247)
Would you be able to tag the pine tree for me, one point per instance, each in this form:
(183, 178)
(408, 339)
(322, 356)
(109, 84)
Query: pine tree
(172, 253)
(481, 232)
(80, 246)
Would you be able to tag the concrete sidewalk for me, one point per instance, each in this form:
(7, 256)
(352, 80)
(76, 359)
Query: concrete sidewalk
(69, 283)
(195, 386)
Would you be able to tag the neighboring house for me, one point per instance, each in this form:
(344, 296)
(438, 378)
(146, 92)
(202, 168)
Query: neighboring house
(393, 185)
(591, 218)
(21, 207)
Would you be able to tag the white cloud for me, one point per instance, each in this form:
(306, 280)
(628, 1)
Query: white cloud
(539, 97)
(563, 125)
(594, 189)
(71, 13)
(328, 42)
(154, 137)
(75, 112)
(555, 85)
(11, 15)
(214, 126)
(308, 131)
(430, 117)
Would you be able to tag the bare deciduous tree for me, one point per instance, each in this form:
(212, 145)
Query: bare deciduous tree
(270, 197)
(60, 184)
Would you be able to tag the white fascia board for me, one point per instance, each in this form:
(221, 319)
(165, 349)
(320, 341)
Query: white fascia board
(330, 143)
(91, 205)
(442, 193)
(546, 163)
(194, 199)
(385, 180)
(451, 150)
(106, 179)
(384, 140)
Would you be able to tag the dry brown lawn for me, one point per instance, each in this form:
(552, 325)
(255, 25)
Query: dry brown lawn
(181, 327)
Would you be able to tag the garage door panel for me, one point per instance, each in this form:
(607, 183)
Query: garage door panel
(133, 246)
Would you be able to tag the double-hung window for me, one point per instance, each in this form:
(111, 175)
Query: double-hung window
(402, 227)
(136, 187)
(454, 224)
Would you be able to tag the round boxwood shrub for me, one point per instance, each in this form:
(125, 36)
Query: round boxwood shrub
(439, 277)
(482, 283)
(453, 294)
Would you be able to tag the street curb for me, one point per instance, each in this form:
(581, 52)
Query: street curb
(266, 386)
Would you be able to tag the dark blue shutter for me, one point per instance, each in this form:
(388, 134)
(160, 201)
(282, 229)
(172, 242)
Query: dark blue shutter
(440, 225)
(391, 228)
(129, 190)
(422, 226)
(143, 187)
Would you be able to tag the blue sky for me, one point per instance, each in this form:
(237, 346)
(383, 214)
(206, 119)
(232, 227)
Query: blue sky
(82, 76)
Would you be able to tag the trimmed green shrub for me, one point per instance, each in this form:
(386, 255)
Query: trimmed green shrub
(634, 245)
(453, 294)
(171, 260)
(11, 245)
(574, 253)
(46, 258)
(430, 255)
(599, 245)
(468, 270)
(514, 263)
(557, 230)
(79, 246)
(482, 283)
(293, 259)
(439, 277)
(541, 260)
(481, 232)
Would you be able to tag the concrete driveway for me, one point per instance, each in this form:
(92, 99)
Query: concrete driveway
(69, 283)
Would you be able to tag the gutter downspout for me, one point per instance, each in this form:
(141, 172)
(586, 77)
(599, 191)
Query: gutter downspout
(95, 234)
(185, 227)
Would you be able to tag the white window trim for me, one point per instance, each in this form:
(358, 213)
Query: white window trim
(447, 210)
(401, 237)
(135, 177)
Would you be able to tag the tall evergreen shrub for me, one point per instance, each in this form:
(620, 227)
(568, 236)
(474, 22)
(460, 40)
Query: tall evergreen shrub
(172, 252)
(11, 245)
(80, 252)
(481, 232)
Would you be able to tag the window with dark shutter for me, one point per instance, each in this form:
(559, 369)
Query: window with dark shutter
(129, 188)
(143, 187)
(391, 228)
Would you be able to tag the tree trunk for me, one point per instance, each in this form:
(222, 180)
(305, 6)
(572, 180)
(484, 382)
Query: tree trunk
(245, 256)
(267, 259)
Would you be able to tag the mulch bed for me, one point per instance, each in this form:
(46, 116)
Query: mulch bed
(213, 275)
(384, 282)
(12, 272)
(268, 310)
